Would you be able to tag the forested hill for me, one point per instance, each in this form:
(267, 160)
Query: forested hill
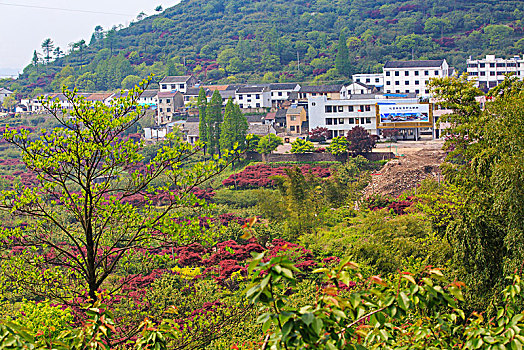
(228, 41)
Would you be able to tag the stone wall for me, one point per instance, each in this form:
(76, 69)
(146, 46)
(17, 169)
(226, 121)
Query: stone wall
(314, 157)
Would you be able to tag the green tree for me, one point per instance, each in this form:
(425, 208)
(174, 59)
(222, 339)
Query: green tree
(9, 102)
(268, 144)
(342, 63)
(81, 226)
(202, 122)
(227, 132)
(213, 120)
(130, 81)
(485, 164)
(47, 47)
(302, 146)
(338, 146)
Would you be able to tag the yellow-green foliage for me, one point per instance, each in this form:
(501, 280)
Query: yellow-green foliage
(187, 273)
(43, 319)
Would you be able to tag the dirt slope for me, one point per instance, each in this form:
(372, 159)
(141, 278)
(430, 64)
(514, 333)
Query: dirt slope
(404, 173)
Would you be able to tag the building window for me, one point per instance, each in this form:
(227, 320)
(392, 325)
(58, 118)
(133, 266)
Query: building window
(436, 72)
(406, 82)
(397, 82)
(351, 121)
(416, 73)
(182, 86)
(168, 110)
(492, 74)
(482, 65)
(351, 109)
(389, 91)
(280, 93)
(164, 87)
(483, 73)
(293, 118)
(427, 91)
(335, 121)
(397, 73)
(240, 97)
(241, 105)
(388, 74)
(377, 80)
(388, 82)
(367, 108)
(257, 96)
(368, 80)
(417, 91)
(329, 109)
(407, 91)
(329, 121)
(160, 109)
(492, 65)
(368, 120)
(341, 120)
(397, 91)
(358, 80)
(426, 72)
(340, 109)
(258, 105)
(406, 73)
(292, 128)
(362, 120)
(168, 101)
(416, 82)
(160, 100)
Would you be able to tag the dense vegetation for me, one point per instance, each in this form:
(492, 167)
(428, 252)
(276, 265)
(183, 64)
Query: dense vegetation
(109, 243)
(230, 41)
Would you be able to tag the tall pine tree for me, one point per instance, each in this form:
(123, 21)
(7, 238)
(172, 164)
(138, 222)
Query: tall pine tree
(342, 63)
(241, 126)
(228, 138)
(213, 120)
(202, 123)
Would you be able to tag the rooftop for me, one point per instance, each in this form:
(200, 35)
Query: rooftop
(175, 79)
(251, 89)
(321, 88)
(414, 64)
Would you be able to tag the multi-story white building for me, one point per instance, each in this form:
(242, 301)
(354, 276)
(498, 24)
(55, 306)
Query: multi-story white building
(355, 89)
(340, 116)
(251, 97)
(490, 71)
(371, 79)
(403, 77)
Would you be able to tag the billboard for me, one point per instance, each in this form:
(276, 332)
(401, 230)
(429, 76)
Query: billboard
(418, 115)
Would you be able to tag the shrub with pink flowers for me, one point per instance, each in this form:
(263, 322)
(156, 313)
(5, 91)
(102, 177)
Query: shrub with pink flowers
(259, 175)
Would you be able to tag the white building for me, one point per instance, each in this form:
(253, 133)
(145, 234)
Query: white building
(148, 98)
(372, 79)
(253, 97)
(490, 71)
(4, 93)
(340, 116)
(280, 92)
(177, 83)
(402, 77)
(355, 88)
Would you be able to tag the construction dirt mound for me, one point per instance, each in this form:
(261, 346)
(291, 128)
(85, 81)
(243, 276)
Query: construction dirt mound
(406, 172)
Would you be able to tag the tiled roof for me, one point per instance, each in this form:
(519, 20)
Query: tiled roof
(149, 93)
(167, 93)
(270, 116)
(100, 96)
(234, 87)
(282, 86)
(296, 110)
(260, 130)
(251, 89)
(175, 79)
(216, 87)
(281, 113)
(414, 64)
(321, 88)
(254, 118)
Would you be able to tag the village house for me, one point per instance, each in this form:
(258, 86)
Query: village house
(4, 93)
(148, 98)
(332, 92)
(253, 97)
(296, 116)
(168, 105)
(177, 83)
(370, 79)
(280, 92)
(355, 88)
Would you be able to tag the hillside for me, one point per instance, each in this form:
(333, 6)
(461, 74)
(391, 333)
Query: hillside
(228, 41)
